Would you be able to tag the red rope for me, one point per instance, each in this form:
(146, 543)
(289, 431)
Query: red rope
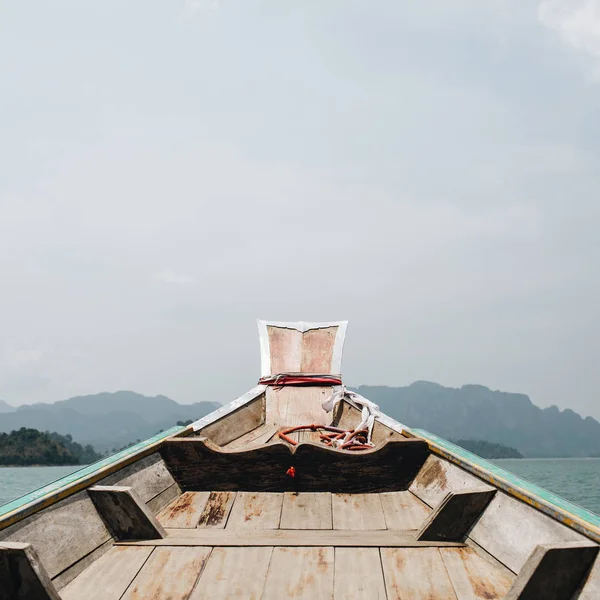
(281, 379)
(357, 440)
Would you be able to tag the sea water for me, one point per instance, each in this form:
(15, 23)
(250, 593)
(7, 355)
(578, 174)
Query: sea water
(575, 479)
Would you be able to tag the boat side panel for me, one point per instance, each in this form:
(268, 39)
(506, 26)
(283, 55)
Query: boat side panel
(510, 530)
(237, 423)
(71, 531)
(547, 502)
(62, 534)
(53, 493)
(437, 477)
(149, 477)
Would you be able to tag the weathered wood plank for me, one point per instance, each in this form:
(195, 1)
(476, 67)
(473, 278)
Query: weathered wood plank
(300, 573)
(199, 465)
(437, 477)
(357, 511)
(510, 530)
(163, 499)
(148, 477)
(185, 511)
(168, 573)
(306, 510)
(292, 537)
(291, 405)
(317, 350)
(473, 577)
(237, 423)
(415, 574)
(217, 509)
(285, 349)
(456, 514)
(234, 573)
(358, 574)
(554, 571)
(255, 511)
(403, 510)
(261, 435)
(125, 515)
(22, 576)
(64, 578)
(61, 534)
(109, 576)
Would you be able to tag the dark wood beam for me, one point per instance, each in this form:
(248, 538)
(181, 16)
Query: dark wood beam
(553, 571)
(125, 515)
(22, 575)
(452, 520)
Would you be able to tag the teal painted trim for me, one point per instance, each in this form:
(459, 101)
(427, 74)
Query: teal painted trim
(531, 489)
(77, 476)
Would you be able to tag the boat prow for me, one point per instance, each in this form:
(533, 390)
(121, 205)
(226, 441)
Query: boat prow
(298, 488)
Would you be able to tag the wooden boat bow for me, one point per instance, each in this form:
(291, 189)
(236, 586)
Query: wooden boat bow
(248, 502)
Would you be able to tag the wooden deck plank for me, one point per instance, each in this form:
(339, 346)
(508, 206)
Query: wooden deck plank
(109, 576)
(358, 574)
(357, 511)
(415, 574)
(260, 510)
(234, 573)
(403, 510)
(473, 577)
(217, 509)
(185, 511)
(306, 510)
(292, 537)
(168, 573)
(300, 573)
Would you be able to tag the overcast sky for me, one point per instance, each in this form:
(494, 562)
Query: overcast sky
(170, 171)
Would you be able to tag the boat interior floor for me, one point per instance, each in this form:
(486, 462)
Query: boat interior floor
(291, 544)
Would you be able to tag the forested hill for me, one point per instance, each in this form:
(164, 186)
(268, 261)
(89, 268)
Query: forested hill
(107, 420)
(32, 447)
(474, 412)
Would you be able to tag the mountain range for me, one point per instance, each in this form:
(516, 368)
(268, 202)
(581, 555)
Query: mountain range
(106, 420)
(472, 412)
(475, 412)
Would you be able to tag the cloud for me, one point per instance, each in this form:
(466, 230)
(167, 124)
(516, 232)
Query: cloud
(175, 278)
(577, 23)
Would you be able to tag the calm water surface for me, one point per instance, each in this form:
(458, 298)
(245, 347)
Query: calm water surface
(576, 479)
(17, 481)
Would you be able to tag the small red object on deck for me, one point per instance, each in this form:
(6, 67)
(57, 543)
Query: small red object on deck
(291, 472)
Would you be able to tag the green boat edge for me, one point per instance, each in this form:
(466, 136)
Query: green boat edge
(568, 513)
(70, 484)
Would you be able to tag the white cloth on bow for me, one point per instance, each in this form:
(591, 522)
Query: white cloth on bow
(370, 410)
